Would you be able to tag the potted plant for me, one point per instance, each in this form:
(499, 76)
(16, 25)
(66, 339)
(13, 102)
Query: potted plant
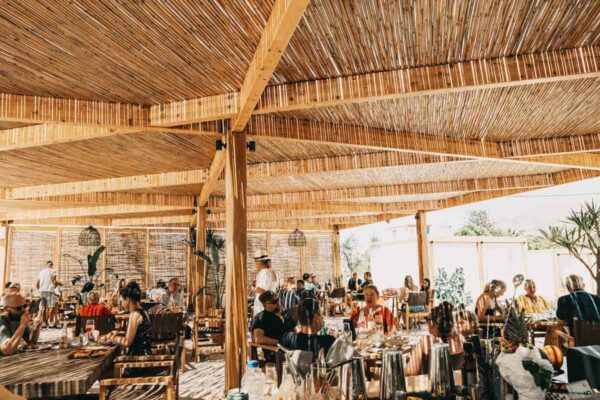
(90, 277)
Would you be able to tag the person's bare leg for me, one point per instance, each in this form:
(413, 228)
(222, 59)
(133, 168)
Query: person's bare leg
(54, 315)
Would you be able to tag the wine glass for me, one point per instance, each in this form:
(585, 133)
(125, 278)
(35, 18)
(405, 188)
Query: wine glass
(90, 326)
(348, 331)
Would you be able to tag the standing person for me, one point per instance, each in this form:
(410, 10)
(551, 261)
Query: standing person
(14, 325)
(354, 282)
(308, 285)
(46, 284)
(578, 303)
(266, 279)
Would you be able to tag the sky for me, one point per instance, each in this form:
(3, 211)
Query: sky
(528, 211)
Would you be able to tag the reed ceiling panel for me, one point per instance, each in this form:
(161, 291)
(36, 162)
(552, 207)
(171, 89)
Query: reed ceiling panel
(345, 37)
(168, 257)
(503, 114)
(108, 157)
(29, 252)
(129, 51)
(407, 197)
(389, 176)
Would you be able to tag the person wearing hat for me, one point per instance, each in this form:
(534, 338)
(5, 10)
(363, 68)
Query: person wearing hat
(268, 326)
(14, 325)
(266, 279)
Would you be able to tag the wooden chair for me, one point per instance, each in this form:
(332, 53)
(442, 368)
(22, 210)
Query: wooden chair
(279, 357)
(414, 299)
(586, 333)
(145, 387)
(102, 323)
(205, 327)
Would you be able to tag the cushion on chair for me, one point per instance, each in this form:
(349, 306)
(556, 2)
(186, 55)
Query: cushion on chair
(139, 392)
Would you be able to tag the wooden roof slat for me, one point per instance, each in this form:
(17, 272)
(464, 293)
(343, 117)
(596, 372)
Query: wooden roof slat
(97, 211)
(104, 198)
(184, 220)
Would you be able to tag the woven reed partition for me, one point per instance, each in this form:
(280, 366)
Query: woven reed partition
(150, 255)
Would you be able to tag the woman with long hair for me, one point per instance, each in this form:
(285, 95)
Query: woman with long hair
(441, 330)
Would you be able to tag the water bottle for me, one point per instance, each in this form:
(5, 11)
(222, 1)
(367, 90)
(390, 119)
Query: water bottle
(253, 382)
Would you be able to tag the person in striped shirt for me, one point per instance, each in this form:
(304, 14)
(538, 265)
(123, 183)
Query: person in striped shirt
(532, 303)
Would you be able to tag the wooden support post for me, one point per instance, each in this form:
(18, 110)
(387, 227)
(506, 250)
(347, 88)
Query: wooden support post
(337, 260)
(556, 272)
(147, 261)
(302, 261)
(198, 265)
(423, 245)
(57, 257)
(235, 271)
(7, 251)
(103, 260)
(480, 265)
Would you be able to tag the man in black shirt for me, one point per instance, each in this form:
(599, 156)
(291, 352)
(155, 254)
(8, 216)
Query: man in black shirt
(578, 303)
(268, 326)
(354, 282)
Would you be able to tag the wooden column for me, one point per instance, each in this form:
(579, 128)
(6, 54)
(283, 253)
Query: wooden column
(480, 265)
(103, 260)
(337, 260)
(423, 246)
(6, 258)
(147, 262)
(57, 257)
(235, 270)
(198, 265)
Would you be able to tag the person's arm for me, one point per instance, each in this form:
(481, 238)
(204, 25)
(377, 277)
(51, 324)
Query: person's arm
(481, 307)
(260, 338)
(10, 345)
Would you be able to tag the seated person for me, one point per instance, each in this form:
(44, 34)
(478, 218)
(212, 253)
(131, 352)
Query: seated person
(441, 330)
(368, 281)
(157, 293)
(410, 287)
(14, 325)
(578, 303)
(93, 307)
(488, 309)
(313, 280)
(380, 314)
(268, 326)
(288, 299)
(138, 338)
(173, 297)
(301, 291)
(311, 322)
(530, 302)
(426, 287)
(354, 283)
(466, 321)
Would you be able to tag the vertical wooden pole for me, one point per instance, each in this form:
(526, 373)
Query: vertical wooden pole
(337, 261)
(480, 265)
(147, 261)
(103, 260)
(423, 245)
(302, 261)
(4, 272)
(236, 271)
(199, 270)
(57, 257)
(7, 251)
(556, 272)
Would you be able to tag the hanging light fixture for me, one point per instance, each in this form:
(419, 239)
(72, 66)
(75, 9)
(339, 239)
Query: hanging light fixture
(297, 238)
(90, 237)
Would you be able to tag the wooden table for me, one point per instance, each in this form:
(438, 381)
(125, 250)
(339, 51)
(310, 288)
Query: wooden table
(49, 373)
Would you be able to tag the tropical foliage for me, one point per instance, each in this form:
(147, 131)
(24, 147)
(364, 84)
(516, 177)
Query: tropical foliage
(580, 235)
(355, 260)
(215, 244)
(451, 287)
(91, 275)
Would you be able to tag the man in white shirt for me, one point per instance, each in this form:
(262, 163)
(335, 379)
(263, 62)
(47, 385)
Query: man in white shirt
(266, 279)
(46, 283)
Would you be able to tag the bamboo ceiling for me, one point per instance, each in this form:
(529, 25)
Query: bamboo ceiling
(375, 110)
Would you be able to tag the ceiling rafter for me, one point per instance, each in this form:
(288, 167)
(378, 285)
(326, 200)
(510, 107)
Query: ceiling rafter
(97, 211)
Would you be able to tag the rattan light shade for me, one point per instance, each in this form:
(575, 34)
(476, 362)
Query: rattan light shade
(297, 238)
(90, 237)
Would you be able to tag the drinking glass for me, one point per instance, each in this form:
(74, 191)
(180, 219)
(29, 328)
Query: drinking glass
(89, 326)
(348, 331)
(271, 381)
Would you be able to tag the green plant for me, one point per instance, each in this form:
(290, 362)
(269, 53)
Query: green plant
(212, 256)
(91, 276)
(451, 288)
(355, 260)
(580, 234)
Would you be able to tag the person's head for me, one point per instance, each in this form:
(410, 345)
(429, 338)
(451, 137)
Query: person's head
(466, 320)
(426, 284)
(313, 278)
(309, 314)
(355, 275)
(15, 306)
(496, 288)
(441, 323)
(530, 287)
(131, 295)
(306, 277)
(367, 275)
(93, 297)
(574, 283)
(174, 285)
(262, 261)
(161, 284)
(13, 288)
(300, 284)
(49, 264)
(371, 294)
(269, 300)
(409, 282)
(7, 285)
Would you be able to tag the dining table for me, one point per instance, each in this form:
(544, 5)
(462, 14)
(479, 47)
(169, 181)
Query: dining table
(48, 373)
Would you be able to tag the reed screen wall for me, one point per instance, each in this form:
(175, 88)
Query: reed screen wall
(148, 255)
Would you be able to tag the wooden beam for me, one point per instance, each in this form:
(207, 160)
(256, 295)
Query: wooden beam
(150, 181)
(114, 211)
(521, 150)
(574, 160)
(337, 257)
(283, 215)
(182, 220)
(104, 198)
(79, 222)
(218, 205)
(326, 221)
(509, 71)
(283, 20)
(216, 167)
(422, 246)
(236, 272)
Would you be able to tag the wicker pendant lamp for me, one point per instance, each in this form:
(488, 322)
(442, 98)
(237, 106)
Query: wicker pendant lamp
(89, 237)
(297, 238)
